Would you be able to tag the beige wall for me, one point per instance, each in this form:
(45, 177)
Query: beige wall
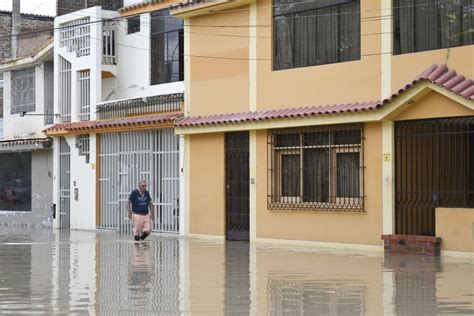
(344, 227)
(406, 67)
(455, 226)
(207, 187)
(434, 105)
(219, 82)
(317, 85)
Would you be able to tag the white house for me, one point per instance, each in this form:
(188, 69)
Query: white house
(26, 155)
(118, 90)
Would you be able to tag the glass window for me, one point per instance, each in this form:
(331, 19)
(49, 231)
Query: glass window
(133, 25)
(167, 63)
(316, 168)
(421, 25)
(315, 32)
(15, 182)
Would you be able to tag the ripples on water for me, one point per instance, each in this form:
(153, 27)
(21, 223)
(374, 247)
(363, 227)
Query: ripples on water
(47, 272)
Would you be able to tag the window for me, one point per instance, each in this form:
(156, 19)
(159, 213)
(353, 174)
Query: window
(83, 146)
(315, 32)
(23, 91)
(166, 48)
(316, 168)
(15, 182)
(64, 90)
(421, 25)
(133, 25)
(84, 94)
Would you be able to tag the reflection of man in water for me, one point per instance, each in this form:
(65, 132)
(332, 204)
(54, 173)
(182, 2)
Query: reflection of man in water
(8, 197)
(140, 268)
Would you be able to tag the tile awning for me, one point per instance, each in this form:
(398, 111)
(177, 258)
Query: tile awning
(440, 75)
(138, 122)
(25, 144)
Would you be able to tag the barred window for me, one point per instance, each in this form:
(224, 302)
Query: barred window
(317, 168)
(133, 24)
(23, 91)
(83, 146)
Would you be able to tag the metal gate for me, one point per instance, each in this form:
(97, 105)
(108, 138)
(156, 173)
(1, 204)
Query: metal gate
(128, 157)
(64, 184)
(434, 167)
(237, 185)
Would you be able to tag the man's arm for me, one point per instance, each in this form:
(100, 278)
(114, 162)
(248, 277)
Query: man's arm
(152, 210)
(129, 203)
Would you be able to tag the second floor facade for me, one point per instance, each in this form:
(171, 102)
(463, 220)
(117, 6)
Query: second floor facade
(110, 66)
(274, 54)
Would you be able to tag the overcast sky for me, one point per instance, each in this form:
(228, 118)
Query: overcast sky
(43, 7)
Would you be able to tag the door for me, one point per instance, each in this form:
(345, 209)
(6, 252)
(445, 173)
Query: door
(434, 167)
(64, 184)
(237, 185)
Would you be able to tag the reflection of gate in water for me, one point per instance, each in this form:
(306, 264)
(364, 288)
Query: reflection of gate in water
(64, 184)
(125, 159)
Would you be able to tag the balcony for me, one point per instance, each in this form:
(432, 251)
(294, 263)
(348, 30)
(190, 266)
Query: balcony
(75, 36)
(140, 106)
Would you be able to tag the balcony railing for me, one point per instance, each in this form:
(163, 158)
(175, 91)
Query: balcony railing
(75, 36)
(140, 106)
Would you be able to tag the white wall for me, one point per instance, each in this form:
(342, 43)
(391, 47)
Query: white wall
(130, 2)
(16, 126)
(133, 66)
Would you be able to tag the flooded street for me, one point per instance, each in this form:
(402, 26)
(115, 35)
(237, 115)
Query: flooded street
(103, 273)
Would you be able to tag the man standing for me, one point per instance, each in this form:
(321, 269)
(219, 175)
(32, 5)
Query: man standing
(140, 211)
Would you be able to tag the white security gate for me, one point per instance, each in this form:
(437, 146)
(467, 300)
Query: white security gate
(64, 184)
(128, 157)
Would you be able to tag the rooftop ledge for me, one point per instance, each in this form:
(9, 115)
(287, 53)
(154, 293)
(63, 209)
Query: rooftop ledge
(193, 8)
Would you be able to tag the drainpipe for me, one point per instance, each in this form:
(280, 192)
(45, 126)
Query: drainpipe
(16, 27)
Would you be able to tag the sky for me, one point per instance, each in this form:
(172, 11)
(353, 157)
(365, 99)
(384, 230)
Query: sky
(43, 7)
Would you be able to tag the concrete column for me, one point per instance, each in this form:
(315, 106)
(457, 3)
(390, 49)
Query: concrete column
(16, 27)
(388, 168)
(386, 48)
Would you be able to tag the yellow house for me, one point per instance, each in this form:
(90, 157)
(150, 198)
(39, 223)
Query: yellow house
(330, 123)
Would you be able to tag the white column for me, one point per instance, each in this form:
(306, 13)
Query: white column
(253, 57)
(187, 67)
(183, 176)
(253, 185)
(56, 180)
(388, 192)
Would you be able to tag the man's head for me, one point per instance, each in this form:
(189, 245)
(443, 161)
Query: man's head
(142, 186)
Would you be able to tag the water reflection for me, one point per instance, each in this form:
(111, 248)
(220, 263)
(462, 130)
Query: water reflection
(50, 272)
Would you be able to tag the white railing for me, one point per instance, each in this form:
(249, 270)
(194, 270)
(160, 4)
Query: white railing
(75, 36)
(109, 42)
(64, 90)
(84, 94)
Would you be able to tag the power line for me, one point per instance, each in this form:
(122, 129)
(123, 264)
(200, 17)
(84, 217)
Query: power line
(366, 19)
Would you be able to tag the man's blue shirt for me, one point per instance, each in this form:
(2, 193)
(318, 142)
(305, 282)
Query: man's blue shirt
(139, 203)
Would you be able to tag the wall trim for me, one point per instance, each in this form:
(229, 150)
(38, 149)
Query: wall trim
(207, 237)
(322, 244)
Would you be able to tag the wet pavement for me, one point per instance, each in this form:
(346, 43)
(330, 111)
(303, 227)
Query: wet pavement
(103, 273)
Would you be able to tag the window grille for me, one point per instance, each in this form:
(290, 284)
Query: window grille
(316, 168)
(75, 36)
(83, 146)
(109, 42)
(64, 90)
(315, 32)
(421, 25)
(166, 48)
(23, 91)
(84, 94)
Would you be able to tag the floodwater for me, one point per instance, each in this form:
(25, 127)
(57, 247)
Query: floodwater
(103, 273)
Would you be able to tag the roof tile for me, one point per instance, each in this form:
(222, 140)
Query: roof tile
(437, 74)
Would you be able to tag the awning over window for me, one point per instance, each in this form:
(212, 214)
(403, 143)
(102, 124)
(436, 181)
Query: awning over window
(114, 125)
(439, 75)
(27, 144)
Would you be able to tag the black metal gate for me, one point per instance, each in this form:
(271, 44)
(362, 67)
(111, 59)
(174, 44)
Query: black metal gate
(237, 184)
(434, 167)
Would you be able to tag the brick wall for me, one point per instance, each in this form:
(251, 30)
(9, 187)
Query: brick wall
(68, 6)
(410, 244)
(28, 43)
